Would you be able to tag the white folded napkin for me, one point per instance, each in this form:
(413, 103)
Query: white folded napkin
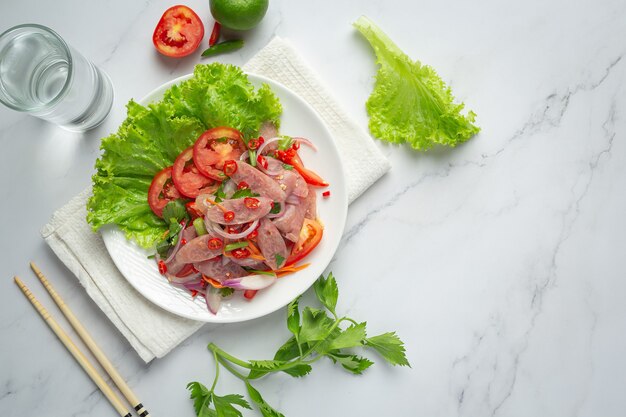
(151, 331)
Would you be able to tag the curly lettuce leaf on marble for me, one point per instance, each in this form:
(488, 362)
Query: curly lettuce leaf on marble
(152, 136)
(410, 103)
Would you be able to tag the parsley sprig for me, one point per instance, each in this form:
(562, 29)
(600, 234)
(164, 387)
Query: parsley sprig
(317, 333)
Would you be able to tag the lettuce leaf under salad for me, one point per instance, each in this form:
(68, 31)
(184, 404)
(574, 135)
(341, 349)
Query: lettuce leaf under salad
(410, 102)
(153, 136)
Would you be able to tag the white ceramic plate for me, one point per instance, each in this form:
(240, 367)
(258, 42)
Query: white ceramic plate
(298, 119)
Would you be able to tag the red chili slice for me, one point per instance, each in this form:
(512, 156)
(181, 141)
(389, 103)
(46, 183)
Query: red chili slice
(229, 216)
(216, 146)
(162, 267)
(251, 202)
(240, 253)
(262, 161)
(249, 294)
(230, 167)
(214, 243)
(242, 185)
(215, 34)
(188, 180)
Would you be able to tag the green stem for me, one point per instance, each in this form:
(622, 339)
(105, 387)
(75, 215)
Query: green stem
(229, 357)
(217, 371)
(232, 370)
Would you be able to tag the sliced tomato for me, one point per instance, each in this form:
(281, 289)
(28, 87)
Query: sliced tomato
(188, 180)
(162, 190)
(216, 146)
(193, 210)
(310, 236)
(179, 32)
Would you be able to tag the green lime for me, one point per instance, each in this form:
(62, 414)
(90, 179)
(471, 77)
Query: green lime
(238, 14)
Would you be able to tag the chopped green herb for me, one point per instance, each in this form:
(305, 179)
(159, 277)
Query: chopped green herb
(220, 195)
(287, 167)
(236, 245)
(275, 208)
(175, 211)
(226, 291)
(244, 192)
(279, 260)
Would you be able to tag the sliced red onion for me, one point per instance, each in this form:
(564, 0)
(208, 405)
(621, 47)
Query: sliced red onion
(177, 246)
(244, 156)
(196, 286)
(306, 142)
(183, 280)
(225, 260)
(279, 214)
(230, 188)
(293, 199)
(259, 151)
(213, 299)
(250, 282)
(218, 230)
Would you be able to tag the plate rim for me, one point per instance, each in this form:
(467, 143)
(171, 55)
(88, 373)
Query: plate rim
(144, 101)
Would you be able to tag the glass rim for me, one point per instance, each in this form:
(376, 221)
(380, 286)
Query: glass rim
(70, 63)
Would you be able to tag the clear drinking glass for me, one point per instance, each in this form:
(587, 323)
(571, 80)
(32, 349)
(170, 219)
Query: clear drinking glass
(42, 75)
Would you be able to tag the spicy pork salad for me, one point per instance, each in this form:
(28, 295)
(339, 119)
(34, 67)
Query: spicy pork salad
(204, 179)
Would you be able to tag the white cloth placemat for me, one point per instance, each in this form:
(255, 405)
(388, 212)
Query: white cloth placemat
(151, 331)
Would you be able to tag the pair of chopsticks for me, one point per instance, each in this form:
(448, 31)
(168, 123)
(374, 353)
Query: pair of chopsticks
(91, 344)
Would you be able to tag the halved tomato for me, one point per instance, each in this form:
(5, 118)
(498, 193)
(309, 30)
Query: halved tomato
(179, 32)
(310, 235)
(162, 190)
(216, 146)
(188, 180)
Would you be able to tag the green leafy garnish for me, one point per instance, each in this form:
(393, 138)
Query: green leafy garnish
(275, 208)
(279, 259)
(244, 192)
(287, 167)
(316, 335)
(410, 103)
(152, 136)
(175, 212)
(220, 195)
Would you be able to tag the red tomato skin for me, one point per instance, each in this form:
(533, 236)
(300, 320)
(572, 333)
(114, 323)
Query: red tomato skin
(156, 203)
(171, 38)
(310, 237)
(191, 183)
(209, 161)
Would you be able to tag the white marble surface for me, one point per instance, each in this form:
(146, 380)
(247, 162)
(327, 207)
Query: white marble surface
(500, 263)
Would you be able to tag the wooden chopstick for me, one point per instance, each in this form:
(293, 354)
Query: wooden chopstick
(91, 344)
(78, 355)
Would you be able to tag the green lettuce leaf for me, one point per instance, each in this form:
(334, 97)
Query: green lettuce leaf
(410, 103)
(152, 136)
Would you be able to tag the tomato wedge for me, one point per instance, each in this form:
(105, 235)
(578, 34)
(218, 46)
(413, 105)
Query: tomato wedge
(179, 32)
(216, 146)
(188, 180)
(310, 235)
(162, 190)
